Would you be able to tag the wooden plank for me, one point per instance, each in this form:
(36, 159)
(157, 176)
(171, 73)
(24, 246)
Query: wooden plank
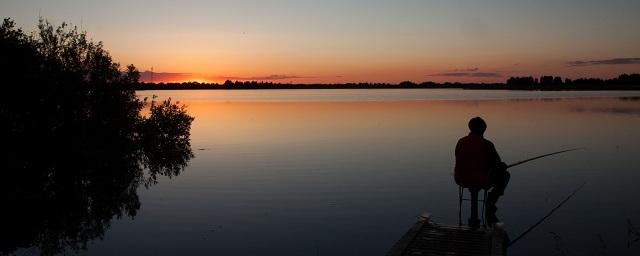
(426, 238)
(400, 247)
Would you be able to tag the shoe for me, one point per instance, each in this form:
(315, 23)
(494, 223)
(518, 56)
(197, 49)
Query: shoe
(492, 219)
(491, 209)
(474, 223)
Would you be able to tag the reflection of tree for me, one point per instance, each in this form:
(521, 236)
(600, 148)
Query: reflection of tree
(165, 139)
(75, 146)
(633, 234)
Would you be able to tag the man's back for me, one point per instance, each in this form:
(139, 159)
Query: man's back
(472, 164)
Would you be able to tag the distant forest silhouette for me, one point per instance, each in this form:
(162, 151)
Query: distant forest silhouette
(545, 83)
(76, 140)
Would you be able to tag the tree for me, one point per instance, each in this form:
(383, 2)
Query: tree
(557, 82)
(521, 82)
(76, 145)
(132, 75)
(546, 81)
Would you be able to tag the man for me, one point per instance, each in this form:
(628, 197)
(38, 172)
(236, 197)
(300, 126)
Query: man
(478, 166)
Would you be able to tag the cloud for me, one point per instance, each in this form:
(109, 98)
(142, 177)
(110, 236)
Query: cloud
(616, 61)
(269, 77)
(468, 74)
(164, 76)
(465, 70)
(485, 74)
(168, 77)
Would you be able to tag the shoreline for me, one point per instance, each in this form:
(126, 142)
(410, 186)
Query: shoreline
(245, 86)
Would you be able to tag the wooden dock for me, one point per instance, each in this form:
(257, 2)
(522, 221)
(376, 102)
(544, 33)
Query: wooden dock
(428, 238)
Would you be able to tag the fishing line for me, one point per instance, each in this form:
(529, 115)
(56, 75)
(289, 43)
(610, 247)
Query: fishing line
(541, 156)
(546, 216)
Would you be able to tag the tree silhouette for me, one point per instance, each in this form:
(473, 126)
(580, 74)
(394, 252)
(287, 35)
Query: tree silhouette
(76, 146)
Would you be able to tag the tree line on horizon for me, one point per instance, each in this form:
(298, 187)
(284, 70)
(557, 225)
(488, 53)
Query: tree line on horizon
(622, 82)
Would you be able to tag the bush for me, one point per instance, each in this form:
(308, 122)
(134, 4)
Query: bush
(76, 144)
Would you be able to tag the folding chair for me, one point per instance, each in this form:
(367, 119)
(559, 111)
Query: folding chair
(462, 198)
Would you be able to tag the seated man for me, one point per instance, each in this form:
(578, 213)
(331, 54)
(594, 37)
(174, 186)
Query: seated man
(478, 166)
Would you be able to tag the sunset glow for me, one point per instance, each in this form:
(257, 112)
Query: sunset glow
(356, 41)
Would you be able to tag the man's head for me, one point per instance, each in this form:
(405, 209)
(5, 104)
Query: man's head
(477, 125)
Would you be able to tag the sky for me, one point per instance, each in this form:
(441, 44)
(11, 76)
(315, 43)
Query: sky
(329, 41)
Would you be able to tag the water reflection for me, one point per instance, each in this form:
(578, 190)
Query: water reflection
(609, 110)
(633, 234)
(63, 184)
(348, 177)
(357, 172)
(630, 98)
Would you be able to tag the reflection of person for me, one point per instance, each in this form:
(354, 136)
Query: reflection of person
(478, 166)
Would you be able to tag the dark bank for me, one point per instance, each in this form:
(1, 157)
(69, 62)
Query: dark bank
(544, 83)
(76, 145)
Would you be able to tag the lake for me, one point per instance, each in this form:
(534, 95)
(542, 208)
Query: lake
(346, 172)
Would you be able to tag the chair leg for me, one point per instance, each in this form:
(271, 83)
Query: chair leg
(459, 205)
(484, 204)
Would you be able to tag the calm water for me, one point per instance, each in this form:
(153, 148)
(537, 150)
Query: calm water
(346, 172)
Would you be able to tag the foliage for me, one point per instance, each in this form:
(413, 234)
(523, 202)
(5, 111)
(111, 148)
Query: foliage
(165, 136)
(622, 82)
(76, 144)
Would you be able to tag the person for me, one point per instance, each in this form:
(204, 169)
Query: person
(478, 166)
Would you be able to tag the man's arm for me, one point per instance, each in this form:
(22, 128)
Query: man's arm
(493, 156)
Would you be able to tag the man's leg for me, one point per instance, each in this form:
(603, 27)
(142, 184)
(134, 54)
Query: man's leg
(499, 180)
(473, 218)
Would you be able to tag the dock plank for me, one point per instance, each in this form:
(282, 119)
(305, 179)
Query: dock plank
(426, 238)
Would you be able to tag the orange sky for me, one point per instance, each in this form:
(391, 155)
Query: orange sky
(357, 41)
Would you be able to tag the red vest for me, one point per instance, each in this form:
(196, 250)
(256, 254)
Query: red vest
(472, 165)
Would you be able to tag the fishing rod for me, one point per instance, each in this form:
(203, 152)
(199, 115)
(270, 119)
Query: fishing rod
(541, 156)
(552, 210)
(546, 216)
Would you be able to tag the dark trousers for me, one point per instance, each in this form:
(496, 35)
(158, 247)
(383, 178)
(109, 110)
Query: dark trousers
(498, 181)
